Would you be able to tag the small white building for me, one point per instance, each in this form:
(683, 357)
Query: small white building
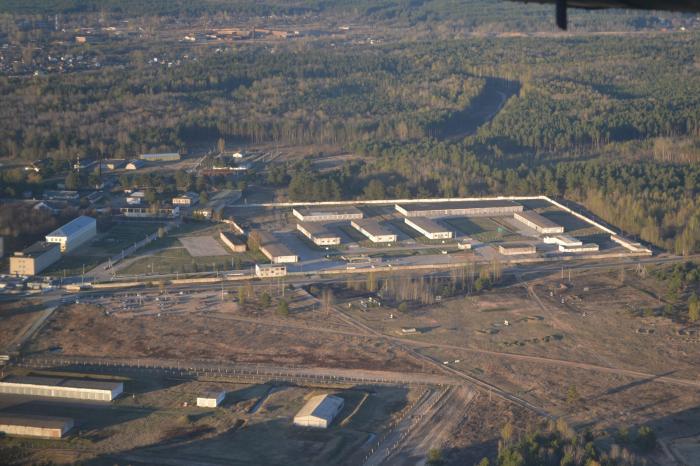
(588, 247)
(74, 233)
(319, 411)
(211, 398)
(562, 240)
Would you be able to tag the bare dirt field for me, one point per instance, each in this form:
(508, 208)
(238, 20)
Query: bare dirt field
(204, 327)
(16, 318)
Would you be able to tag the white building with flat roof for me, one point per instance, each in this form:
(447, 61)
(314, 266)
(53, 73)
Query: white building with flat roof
(74, 233)
(562, 240)
(374, 231)
(319, 411)
(429, 228)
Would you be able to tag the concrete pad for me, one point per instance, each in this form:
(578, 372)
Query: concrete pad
(202, 246)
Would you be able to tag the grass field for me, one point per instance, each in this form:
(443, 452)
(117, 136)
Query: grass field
(178, 260)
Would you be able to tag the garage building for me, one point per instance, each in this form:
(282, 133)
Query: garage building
(26, 425)
(35, 258)
(319, 411)
(537, 222)
(562, 240)
(429, 228)
(74, 233)
(334, 214)
(62, 388)
(485, 208)
(319, 234)
(374, 231)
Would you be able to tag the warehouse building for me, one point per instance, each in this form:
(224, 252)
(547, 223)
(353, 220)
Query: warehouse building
(562, 240)
(319, 234)
(429, 228)
(273, 249)
(211, 398)
(485, 208)
(232, 241)
(186, 199)
(161, 157)
(537, 222)
(270, 270)
(78, 389)
(374, 231)
(516, 249)
(74, 233)
(34, 259)
(335, 214)
(319, 411)
(26, 425)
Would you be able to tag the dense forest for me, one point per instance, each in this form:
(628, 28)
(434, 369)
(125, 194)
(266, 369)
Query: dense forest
(609, 121)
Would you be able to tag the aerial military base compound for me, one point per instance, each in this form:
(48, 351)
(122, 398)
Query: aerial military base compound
(368, 331)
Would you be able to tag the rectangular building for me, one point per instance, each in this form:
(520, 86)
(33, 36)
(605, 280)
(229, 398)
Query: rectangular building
(27, 425)
(319, 411)
(588, 247)
(161, 157)
(270, 270)
(143, 211)
(516, 249)
(429, 228)
(233, 242)
(77, 389)
(186, 199)
(374, 231)
(537, 222)
(211, 399)
(74, 233)
(485, 208)
(327, 214)
(35, 258)
(273, 249)
(319, 234)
